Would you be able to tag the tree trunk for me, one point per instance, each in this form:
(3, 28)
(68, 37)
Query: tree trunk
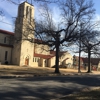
(89, 61)
(79, 61)
(79, 56)
(57, 59)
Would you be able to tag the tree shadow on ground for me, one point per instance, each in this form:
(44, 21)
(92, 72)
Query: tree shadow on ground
(40, 88)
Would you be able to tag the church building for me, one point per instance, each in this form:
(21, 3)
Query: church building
(17, 49)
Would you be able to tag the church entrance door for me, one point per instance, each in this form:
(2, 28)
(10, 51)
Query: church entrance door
(27, 61)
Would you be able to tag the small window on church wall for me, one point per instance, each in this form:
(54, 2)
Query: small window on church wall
(33, 59)
(6, 55)
(30, 14)
(19, 13)
(38, 60)
(5, 40)
(27, 12)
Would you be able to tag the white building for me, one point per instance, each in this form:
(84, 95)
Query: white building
(16, 49)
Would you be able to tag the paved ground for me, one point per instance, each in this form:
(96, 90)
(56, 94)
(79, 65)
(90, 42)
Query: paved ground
(44, 88)
(42, 83)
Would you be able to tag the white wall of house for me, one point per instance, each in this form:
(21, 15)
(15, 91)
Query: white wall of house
(5, 54)
(66, 59)
(36, 61)
(51, 62)
(27, 50)
(16, 53)
(99, 64)
(4, 38)
(23, 51)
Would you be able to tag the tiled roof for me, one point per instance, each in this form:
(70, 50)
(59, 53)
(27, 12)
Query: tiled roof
(6, 32)
(43, 56)
(77, 57)
(85, 60)
(38, 41)
(94, 61)
(6, 45)
(54, 52)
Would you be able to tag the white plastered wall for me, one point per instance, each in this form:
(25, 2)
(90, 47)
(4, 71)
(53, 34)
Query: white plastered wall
(26, 52)
(51, 62)
(68, 59)
(2, 54)
(16, 53)
(3, 36)
(23, 49)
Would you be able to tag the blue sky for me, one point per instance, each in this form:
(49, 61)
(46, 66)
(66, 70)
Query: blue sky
(10, 12)
(97, 6)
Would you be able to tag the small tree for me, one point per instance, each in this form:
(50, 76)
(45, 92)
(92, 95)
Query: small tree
(90, 45)
(87, 34)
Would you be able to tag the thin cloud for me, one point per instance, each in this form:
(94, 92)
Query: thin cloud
(9, 8)
(97, 18)
(6, 24)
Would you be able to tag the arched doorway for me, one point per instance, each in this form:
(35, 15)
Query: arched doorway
(27, 61)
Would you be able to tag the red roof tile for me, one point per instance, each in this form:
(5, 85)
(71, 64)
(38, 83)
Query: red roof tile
(53, 52)
(43, 56)
(38, 41)
(77, 57)
(94, 61)
(6, 32)
(85, 60)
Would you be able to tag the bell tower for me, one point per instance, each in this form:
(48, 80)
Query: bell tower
(24, 34)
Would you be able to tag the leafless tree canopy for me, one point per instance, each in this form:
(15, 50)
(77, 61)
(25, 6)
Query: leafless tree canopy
(89, 41)
(66, 29)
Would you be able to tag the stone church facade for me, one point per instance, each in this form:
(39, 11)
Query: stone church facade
(17, 49)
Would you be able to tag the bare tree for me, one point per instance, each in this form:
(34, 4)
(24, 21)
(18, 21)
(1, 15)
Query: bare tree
(17, 2)
(66, 30)
(88, 41)
(90, 45)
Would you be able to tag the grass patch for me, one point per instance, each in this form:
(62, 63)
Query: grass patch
(86, 95)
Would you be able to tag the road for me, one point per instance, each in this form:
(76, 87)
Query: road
(44, 88)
